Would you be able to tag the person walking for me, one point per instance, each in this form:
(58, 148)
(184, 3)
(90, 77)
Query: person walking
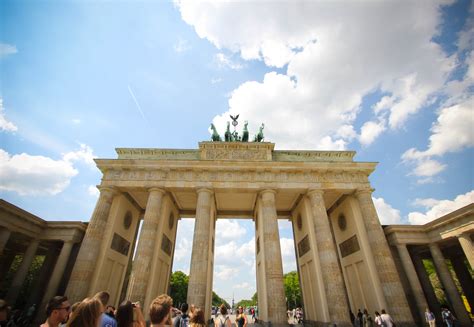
(378, 319)
(448, 317)
(367, 319)
(430, 318)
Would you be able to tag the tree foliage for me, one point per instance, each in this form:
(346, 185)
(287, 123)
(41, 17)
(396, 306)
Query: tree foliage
(179, 287)
(292, 289)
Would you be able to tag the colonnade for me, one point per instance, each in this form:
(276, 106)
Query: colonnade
(426, 244)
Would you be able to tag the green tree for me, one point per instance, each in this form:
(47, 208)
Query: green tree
(179, 287)
(217, 300)
(292, 289)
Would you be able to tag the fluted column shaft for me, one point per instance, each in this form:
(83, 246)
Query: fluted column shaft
(81, 275)
(433, 303)
(415, 285)
(464, 277)
(467, 247)
(448, 283)
(58, 273)
(276, 305)
(20, 274)
(389, 278)
(4, 236)
(332, 275)
(146, 246)
(197, 288)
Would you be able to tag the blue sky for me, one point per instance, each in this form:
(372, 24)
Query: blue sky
(393, 81)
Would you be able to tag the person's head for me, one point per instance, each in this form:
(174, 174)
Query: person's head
(57, 309)
(160, 310)
(241, 310)
(383, 311)
(124, 314)
(184, 308)
(103, 297)
(223, 309)
(3, 310)
(86, 314)
(198, 317)
(377, 313)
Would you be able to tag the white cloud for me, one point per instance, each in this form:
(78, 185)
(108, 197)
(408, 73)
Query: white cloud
(39, 175)
(370, 131)
(426, 203)
(387, 214)
(93, 191)
(336, 52)
(182, 46)
(5, 125)
(7, 49)
(440, 208)
(224, 61)
(225, 272)
(229, 229)
(452, 132)
(76, 121)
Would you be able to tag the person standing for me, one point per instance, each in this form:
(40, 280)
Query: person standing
(240, 319)
(430, 318)
(87, 314)
(448, 317)
(57, 311)
(367, 319)
(106, 320)
(197, 320)
(182, 320)
(378, 319)
(222, 320)
(387, 321)
(160, 309)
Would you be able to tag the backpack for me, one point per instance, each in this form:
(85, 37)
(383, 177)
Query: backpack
(223, 323)
(184, 321)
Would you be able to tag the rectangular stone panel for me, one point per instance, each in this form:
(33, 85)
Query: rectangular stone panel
(120, 244)
(349, 246)
(166, 245)
(303, 246)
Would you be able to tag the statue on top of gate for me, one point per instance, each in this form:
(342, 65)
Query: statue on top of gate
(234, 136)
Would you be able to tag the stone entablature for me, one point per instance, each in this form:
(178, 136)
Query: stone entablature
(448, 226)
(230, 151)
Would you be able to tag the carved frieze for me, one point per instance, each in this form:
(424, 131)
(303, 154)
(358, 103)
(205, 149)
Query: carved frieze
(312, 156)
(157, 154)
(235, 176)
(236, 151)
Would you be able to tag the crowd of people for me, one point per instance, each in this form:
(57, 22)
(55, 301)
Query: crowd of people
(95, 312)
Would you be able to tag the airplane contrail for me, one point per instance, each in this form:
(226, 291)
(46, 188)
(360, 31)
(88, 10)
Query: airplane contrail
(136, 102)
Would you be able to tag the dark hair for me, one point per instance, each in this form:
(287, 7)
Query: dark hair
(383, 311)
(124, 314)
(198, 317)
(103, 297)
(87, 313)
(223, 309)
(377, 313)
(55, 303)
(184, 307)
(160, 308)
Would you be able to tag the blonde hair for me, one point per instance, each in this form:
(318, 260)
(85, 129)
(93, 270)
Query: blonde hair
(87, 313)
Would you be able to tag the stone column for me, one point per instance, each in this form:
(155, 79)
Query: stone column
(415, 285)
(58, 273)
(449, 286)
(276, 305)
(391, 284)
(20, 274)
(81, 275)
(464, 277)
(467, 247)
(197, 288)
(427, 287)
(146, 247)
(332, 275)
(4, 236)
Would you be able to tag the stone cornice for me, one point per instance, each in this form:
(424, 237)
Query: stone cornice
(235, 151)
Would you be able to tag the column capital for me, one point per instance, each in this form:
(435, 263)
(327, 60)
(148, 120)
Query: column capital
(268, 190)
(360, 191)
(204, 189)
(156, 189)
(314, 191)
(107, 190)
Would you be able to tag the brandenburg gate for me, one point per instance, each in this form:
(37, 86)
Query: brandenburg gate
(343, 259)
